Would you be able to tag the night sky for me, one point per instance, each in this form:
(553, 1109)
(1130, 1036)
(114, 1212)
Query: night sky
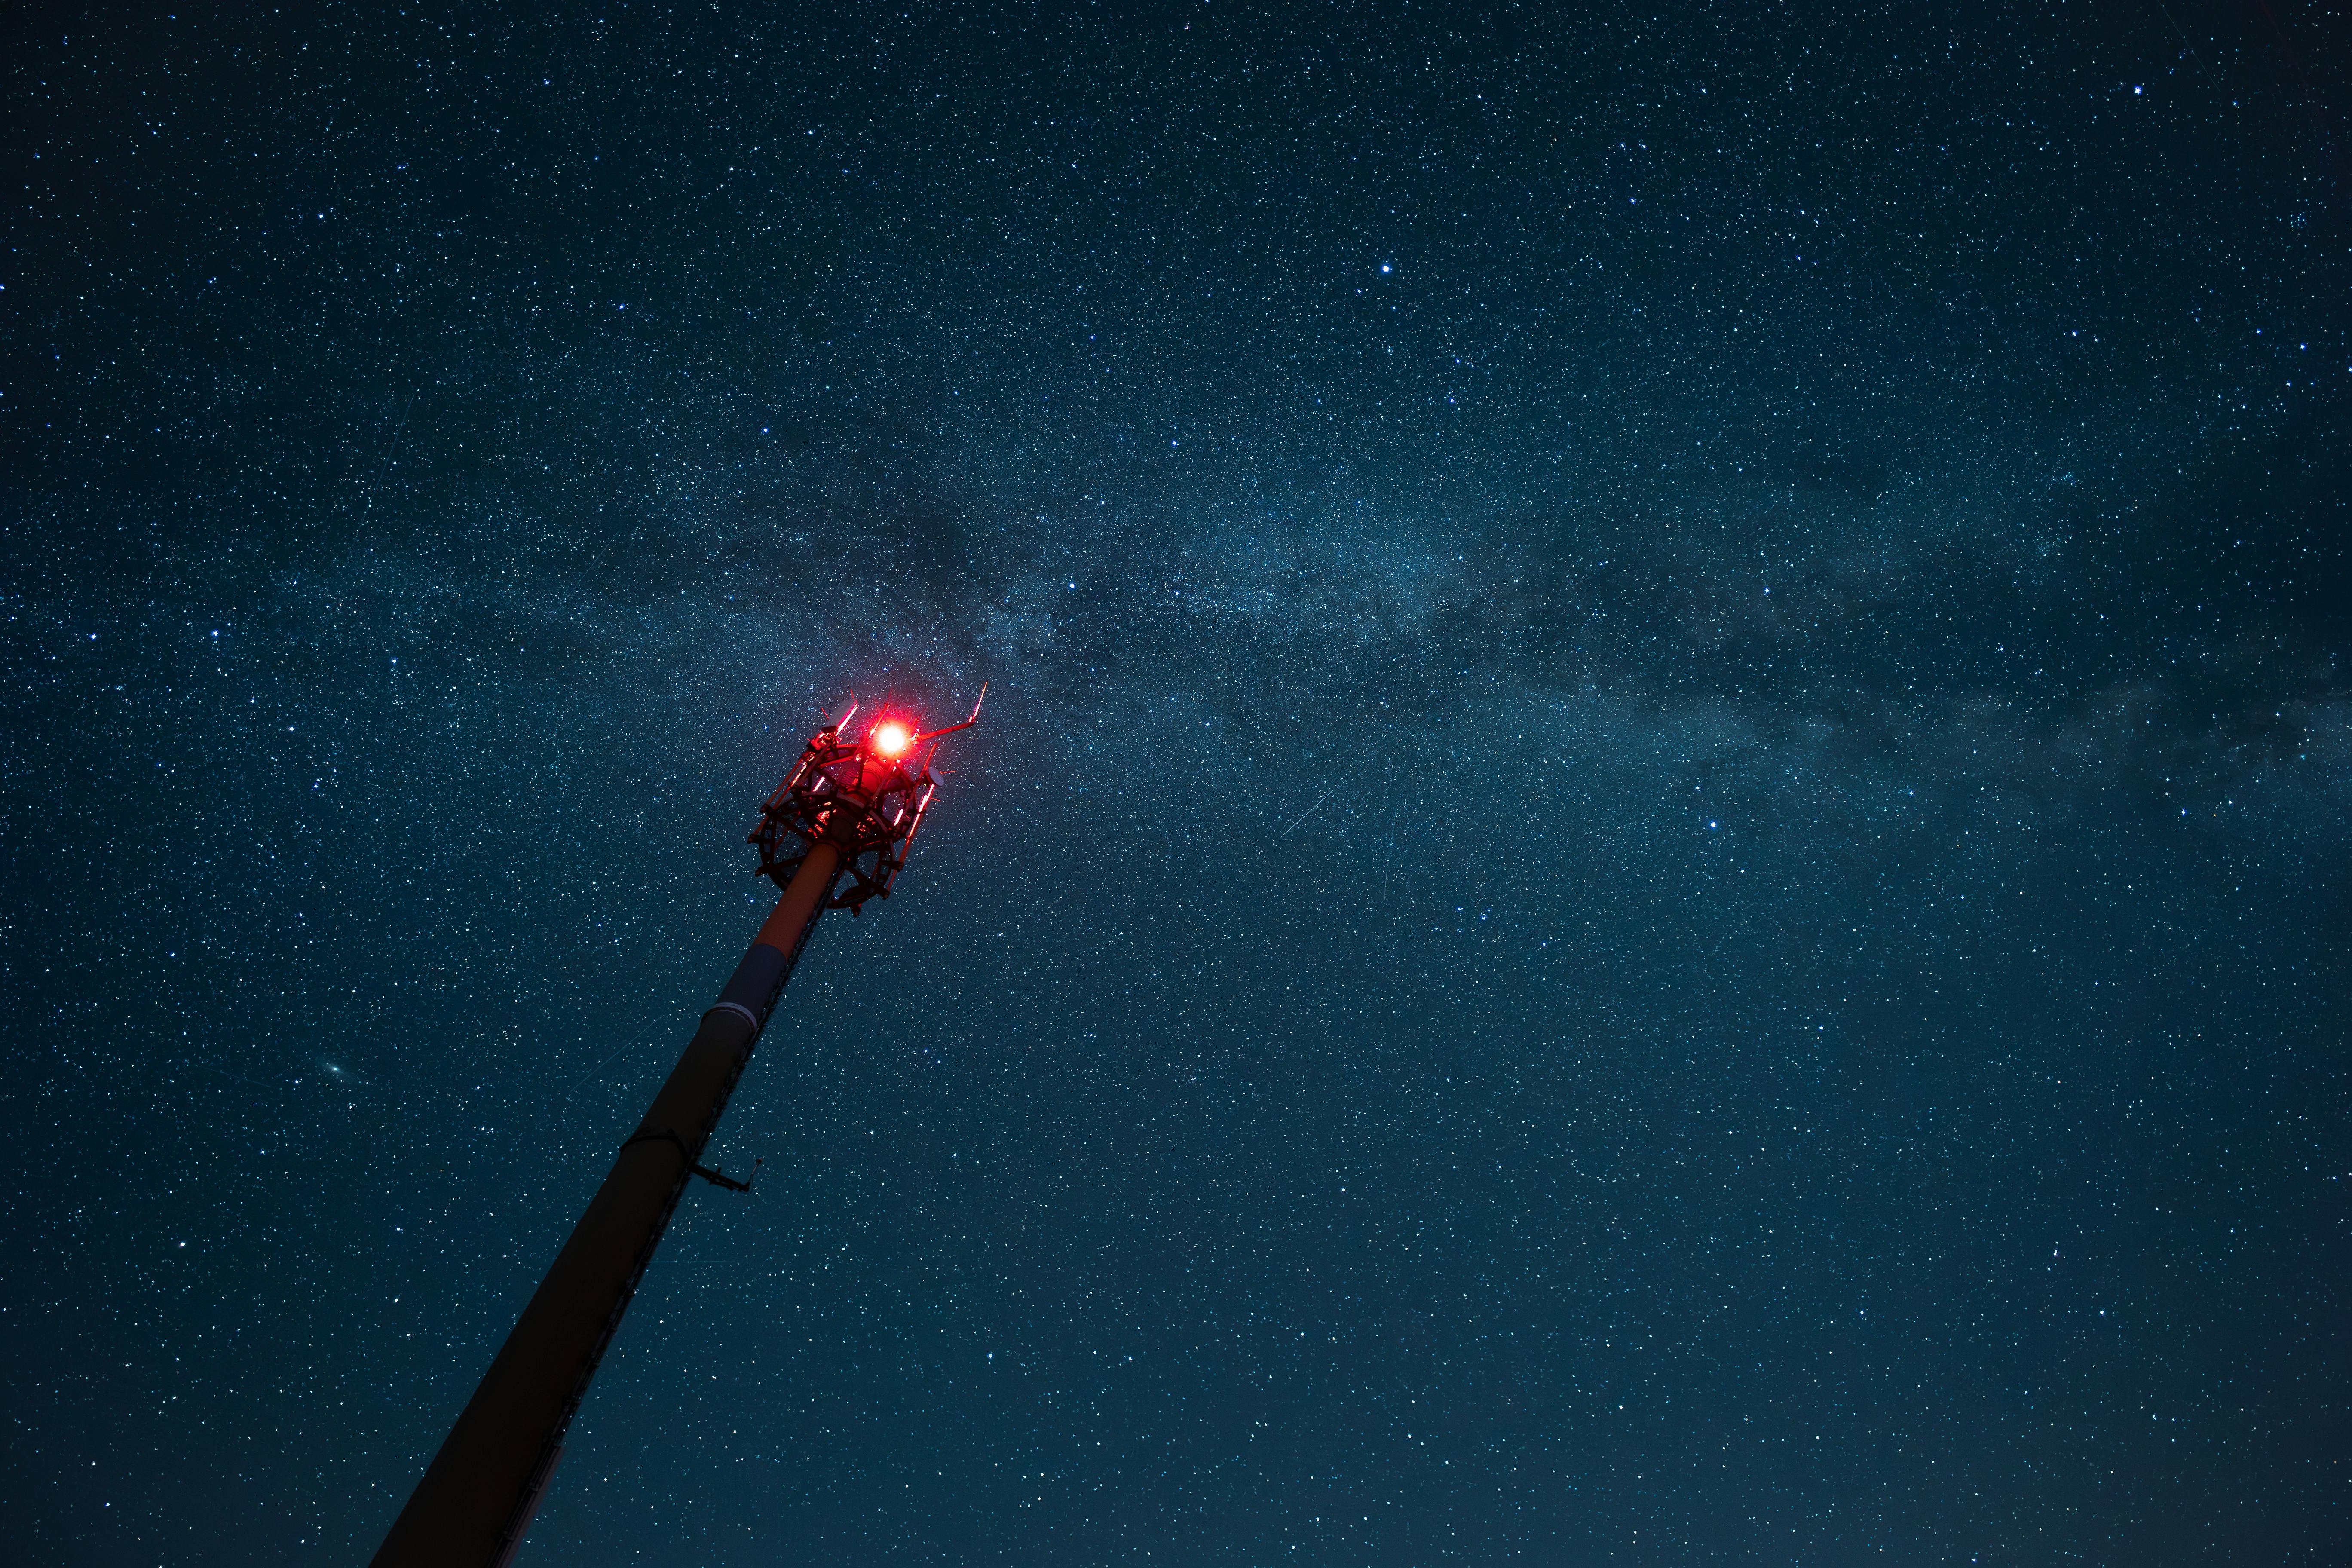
(1657, 870)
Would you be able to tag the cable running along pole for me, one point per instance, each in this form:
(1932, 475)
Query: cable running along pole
(835, 833)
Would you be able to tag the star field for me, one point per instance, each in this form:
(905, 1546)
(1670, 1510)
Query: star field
(1655, 871)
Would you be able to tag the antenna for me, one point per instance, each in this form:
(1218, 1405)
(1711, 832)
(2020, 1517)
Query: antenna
(833, 835)
(935, 734)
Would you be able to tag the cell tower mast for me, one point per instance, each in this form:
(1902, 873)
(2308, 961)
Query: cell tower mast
(835, 833)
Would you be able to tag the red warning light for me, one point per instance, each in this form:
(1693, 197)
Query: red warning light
(890, 738)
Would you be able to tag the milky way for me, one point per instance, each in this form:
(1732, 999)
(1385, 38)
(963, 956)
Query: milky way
(1657, 869)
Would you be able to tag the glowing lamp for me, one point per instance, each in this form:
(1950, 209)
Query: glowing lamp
(891, 738)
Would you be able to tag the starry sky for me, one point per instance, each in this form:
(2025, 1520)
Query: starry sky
(1657, 870)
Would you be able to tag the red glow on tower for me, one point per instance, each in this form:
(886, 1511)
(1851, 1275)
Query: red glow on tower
(865, 799)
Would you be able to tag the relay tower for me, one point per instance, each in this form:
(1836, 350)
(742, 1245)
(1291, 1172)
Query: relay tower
(846, 814)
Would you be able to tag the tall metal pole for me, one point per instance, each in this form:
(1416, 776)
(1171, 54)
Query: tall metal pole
(848, 811)
(479, 1495)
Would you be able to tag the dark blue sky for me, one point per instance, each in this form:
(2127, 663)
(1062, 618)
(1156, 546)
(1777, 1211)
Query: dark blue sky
(1657, 871)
